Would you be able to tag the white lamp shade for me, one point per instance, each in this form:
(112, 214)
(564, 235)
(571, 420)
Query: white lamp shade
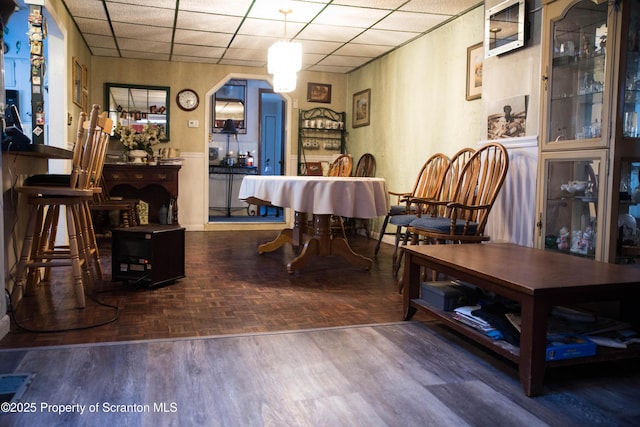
(284, 82)
(284, 57)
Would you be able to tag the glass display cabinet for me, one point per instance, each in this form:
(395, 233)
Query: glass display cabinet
(590, 136)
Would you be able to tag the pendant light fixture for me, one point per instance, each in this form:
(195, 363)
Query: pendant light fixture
(284, 61)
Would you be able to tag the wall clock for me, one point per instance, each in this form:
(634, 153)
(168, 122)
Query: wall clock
(187, 99)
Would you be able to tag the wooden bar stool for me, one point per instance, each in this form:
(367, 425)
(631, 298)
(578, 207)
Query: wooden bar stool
(47, 194)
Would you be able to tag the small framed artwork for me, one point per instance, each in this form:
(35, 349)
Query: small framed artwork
(77, 83)
(318, 92)
(361, 108)
(475, 56)
(313, 169)
(85, 88)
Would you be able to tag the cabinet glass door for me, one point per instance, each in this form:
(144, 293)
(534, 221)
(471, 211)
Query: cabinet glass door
(628, 232)
(572, 203)
(577, 77)
(632, 79)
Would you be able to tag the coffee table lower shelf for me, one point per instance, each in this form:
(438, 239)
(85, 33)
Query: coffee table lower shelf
(512, 352)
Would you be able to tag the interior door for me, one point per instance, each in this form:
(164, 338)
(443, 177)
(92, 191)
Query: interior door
(271, 133)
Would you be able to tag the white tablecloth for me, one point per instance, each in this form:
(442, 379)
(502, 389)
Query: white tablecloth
(348, 197)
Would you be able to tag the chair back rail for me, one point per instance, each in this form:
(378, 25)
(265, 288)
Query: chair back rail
(478, 186)
(341, 166)
(366, 166)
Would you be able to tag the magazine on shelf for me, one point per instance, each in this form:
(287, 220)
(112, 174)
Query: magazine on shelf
(560, 325)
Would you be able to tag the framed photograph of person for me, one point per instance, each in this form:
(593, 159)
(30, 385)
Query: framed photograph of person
(318, 92)
(361, 108)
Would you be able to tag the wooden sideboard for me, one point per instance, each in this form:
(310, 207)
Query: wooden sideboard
(156, 185)
(537, 280)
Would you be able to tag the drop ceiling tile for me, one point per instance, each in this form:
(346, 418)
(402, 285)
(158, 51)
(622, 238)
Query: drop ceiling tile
(241, 63)
(144, 45)
(385, 37)
(203, 51)
(145, 55)
(143, 15)
(207, 22)
(252, 42)
(86, 9)
(312, 58)
(350, 16)
(330, 69)
(202, 38)
(330, 33)
(95, 40)
(246, 54)
(167, 4)
(367, 50)
(94, 26)
(414, 22)
(142, 32)
(301, 11)
(344, 61)
(442, 7)
(269, 28)
(221, 7)
(311, 46)
(376, 4)
(101, 51)
(180, 58)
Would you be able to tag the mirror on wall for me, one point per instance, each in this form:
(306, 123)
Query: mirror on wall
(138, 105)
(229, 102)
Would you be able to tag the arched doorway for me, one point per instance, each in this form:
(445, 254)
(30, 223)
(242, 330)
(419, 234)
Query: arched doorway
(265, 136)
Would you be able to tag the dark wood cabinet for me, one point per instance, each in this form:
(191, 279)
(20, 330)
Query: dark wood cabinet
(156, 185)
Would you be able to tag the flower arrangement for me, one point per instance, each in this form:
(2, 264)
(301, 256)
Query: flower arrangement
(133, 139)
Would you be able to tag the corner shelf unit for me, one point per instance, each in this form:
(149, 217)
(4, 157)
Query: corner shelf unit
(321, 131)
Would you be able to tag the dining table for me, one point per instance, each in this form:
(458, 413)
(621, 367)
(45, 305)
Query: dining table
(322, 197)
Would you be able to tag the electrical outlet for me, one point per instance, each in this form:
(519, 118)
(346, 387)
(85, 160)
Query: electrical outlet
(194, 123)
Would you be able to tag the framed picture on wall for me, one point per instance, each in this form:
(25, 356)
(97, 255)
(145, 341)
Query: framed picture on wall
(77, 83)
(85, 88)
(361, 108)
(475, 57)
(318, 92)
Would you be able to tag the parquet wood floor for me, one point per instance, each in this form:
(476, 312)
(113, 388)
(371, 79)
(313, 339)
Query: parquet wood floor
(229, 289)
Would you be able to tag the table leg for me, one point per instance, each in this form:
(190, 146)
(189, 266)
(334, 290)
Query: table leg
(294, 236)
(323, 244)
(411, 280)
(533, 344)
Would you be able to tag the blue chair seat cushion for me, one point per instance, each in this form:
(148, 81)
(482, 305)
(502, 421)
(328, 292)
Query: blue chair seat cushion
(402, 220)
(443, 225)
(55, 180)
(400, 209)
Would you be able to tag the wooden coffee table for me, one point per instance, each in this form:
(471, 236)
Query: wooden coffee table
(538, 280)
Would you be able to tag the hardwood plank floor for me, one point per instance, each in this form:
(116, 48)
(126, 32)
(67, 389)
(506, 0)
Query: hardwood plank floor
(397, 374)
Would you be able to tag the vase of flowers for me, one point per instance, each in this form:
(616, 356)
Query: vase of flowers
(138, 141)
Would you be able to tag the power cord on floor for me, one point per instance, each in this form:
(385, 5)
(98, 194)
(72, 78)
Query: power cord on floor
(78, 328)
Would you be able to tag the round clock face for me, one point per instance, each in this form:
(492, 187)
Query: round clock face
(187, 99)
